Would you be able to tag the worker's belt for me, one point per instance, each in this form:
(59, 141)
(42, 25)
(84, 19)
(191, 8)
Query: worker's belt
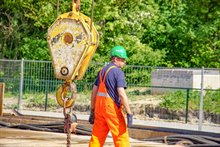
(103, 94)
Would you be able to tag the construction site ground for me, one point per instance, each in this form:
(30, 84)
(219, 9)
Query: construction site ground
(11, 137)
(166, 124)
(27, 138)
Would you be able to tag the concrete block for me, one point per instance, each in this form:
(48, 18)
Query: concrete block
(166, 80)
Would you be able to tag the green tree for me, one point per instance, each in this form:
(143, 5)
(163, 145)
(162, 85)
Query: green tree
(188, 31)
(22, 23)
(120, 23)
(181, 33)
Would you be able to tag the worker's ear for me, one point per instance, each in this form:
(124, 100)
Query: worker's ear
(117, 59)
(113, 58)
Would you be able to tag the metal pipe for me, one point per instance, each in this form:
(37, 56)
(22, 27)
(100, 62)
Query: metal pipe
(58, 7)
(92, 16)
(21, 84)
(187, 105)
(46, 101)
(2, 91)
(201, 101)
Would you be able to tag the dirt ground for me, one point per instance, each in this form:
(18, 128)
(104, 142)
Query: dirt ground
(143, 108)
(27, 138)
(137, 106)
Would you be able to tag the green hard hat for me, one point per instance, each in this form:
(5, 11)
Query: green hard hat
(119, 51)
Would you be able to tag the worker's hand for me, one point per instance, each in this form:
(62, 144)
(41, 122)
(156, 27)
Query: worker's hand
(129, 120)
(91, 117)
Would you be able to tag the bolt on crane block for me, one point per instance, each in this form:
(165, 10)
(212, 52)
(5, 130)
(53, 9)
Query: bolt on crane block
(72, 40)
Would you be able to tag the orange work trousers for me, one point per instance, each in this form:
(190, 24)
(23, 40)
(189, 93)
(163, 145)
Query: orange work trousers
(108, 117)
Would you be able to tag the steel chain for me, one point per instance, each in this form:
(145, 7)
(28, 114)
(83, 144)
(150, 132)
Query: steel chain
(67, 124)
(68, 139)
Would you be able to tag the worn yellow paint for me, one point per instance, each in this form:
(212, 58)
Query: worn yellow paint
(72, 44)
(76, 55)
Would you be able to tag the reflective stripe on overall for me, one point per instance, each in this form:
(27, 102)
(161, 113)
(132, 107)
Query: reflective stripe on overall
(108, 117)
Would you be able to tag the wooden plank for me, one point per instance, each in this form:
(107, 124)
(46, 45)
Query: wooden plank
(21, 138)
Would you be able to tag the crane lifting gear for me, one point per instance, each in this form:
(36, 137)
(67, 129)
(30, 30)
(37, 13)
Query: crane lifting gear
(72, 41)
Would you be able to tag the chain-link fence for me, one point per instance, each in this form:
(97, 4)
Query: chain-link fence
(177, 92)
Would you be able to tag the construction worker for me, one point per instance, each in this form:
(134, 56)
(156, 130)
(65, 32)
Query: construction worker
(107, 99)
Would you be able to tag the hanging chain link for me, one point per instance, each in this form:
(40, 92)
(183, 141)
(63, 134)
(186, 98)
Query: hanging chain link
(68, 115)
(67, 123)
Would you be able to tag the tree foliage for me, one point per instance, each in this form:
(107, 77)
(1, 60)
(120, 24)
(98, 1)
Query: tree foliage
(180, 33)
(188, 31)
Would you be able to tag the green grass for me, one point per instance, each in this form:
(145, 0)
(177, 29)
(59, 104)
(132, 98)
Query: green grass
(173, 101)
(177, 101)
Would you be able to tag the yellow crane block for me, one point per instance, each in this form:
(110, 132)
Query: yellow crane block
(72, 42)
(91, 50)
(68, 91)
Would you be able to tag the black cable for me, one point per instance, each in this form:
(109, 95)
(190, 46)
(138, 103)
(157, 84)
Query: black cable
(3, 124)
(212, 138)
(204, 145)
(187, 139)
(23, 126)
(195, 139)
(83, 127)
(49, 124)
(83, 132)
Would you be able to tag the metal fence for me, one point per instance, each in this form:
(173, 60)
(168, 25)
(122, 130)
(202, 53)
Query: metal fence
(27, 76)
(38, 76)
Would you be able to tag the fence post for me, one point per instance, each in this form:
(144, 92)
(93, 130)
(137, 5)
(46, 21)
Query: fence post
(21, 85)
(2, 91)
(46, 98)
(46, 101)
(187, 105)
(201, 101)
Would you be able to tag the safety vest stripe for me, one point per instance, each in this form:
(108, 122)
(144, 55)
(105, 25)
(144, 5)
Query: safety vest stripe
(103, 94)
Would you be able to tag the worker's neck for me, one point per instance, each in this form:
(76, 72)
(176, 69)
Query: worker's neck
(116, 63)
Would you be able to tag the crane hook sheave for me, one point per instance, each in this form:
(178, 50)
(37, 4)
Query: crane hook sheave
(73, 40)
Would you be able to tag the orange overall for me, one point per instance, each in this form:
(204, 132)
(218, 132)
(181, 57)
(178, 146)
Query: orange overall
(108, 117)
